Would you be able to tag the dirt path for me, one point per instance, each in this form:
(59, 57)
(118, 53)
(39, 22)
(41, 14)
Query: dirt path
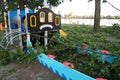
(24, 71)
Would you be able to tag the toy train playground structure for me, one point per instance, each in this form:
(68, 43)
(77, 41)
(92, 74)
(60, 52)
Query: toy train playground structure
(44, 21)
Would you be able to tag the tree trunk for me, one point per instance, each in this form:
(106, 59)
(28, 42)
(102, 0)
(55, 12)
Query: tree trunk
(21, 4)
(97, 16)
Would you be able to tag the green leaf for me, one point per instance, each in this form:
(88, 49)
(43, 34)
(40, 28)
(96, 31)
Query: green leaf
(90, 0)
(104, 1)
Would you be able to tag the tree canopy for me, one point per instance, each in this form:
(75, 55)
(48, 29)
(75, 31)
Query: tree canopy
(12, 4)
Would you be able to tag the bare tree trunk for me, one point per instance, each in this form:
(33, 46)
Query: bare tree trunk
(21, 4)
(97, 16)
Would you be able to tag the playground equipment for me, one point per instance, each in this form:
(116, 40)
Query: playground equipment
(42, 22)
(23, 23)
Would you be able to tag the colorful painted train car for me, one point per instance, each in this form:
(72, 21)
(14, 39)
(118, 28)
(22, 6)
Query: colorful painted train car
(43, 20)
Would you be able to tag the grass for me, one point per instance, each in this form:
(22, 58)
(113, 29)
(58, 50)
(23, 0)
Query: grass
(8, 72)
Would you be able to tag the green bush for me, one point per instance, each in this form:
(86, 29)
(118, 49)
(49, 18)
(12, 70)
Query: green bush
(6, 57)
(64, 50)
(84, 62)
(113, 30)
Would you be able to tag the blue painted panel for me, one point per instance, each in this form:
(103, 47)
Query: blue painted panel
(104, 57)
(61, 70)
(13, 14)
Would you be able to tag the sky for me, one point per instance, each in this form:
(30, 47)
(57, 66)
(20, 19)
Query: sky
(83, 7)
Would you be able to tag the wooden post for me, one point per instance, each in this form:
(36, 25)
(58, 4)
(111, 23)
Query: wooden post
(5, 20)
(19, 25)
(10, 30)
(46, 39)
(28, 34)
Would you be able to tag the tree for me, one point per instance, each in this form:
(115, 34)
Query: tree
(96, 26)
(12, 4)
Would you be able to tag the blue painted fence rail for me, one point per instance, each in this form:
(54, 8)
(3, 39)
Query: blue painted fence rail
(65, 72)
(109, 58)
